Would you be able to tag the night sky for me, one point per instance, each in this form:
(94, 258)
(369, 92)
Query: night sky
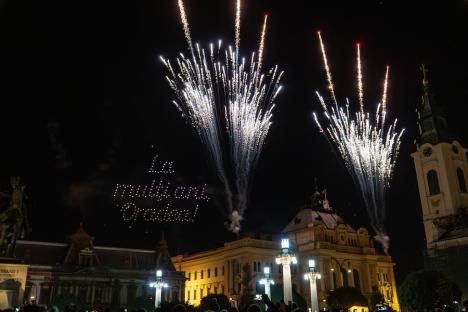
(83, 100)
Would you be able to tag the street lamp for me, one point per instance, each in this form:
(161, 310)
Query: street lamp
(285, 258)
(312, 275)
(158, 284)
(267, 280)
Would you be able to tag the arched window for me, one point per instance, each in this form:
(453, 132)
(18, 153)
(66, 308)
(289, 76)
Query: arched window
(433, 182)
(334, 280)
(357, 281)
(344, 276)
(461, 180)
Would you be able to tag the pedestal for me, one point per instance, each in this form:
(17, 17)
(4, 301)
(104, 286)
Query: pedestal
(12, 282)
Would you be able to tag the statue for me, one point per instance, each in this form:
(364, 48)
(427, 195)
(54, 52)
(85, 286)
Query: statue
(13, 218)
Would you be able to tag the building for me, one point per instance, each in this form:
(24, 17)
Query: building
(441, 170)
(88, 275)
(344, 257)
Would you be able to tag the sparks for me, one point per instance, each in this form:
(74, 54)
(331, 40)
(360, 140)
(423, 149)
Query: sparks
(185, 25)
(369, 148)
(237, 25)
(384, 94)
(359, 77)
(331, 88)
(261, 45)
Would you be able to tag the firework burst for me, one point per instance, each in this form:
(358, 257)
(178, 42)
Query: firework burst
(368, 146)
(215, 90)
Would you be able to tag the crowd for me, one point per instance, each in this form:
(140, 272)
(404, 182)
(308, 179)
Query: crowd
(213, 306)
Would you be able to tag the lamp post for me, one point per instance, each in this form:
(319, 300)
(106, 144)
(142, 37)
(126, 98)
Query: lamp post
(285, 258)
(267, 280)
(312, 275)
(158, 284)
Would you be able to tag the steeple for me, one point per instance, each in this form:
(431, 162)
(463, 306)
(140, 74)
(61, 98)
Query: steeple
(431, 118)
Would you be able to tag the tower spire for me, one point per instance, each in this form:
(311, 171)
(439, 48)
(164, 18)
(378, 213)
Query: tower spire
(431, 118)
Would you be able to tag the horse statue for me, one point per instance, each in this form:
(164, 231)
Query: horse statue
(13, 218)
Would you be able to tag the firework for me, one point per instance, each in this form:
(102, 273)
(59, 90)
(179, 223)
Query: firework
(237, 25)
(261, 45)
(359, 78)
(185, 25)
(331, 88)
(368, 146)
(217, 89)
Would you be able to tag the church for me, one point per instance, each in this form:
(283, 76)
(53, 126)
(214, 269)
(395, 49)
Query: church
(441, 170)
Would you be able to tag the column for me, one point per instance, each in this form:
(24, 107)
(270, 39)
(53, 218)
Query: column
(93, 289)
(287, 287)
(313, 294)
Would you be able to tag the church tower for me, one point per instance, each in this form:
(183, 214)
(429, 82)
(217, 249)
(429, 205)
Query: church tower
(441, 169)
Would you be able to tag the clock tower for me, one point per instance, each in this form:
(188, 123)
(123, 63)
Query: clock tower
(441, 169)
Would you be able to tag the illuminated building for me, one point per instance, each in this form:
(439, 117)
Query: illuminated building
(344, 257)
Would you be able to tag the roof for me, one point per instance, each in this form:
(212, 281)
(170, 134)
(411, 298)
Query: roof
(307, 216)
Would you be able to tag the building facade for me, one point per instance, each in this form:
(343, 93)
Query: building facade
(88, 275)
(441, 170)
(344, 257)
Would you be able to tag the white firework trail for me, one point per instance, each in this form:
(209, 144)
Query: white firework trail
(185, 25)
(369, 148)
(217, 89)
(331, 88)
(261, 45)
(237, 25)
(384, 93)
(359, 78)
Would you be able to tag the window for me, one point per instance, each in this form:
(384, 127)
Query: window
(188, 276)
(334, 280)
(461, 181)
(222, 289)
(357, 281)
(433, 182)
(201, 274)
(344, 276)
(208, 273)
(216, 290)
(222, 270)
(216, 271)
(194, 294)
(195, 275)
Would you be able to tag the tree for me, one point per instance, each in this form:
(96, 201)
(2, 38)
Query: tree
(345, 297)
(426, 290)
